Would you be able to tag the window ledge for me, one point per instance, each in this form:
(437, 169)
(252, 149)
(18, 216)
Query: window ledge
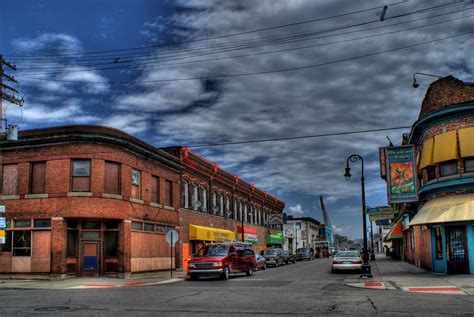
(79, 194)
(32, 196)
(137, 201)
(156, 205)
(169, 208)
(113, 196)
(9, 197)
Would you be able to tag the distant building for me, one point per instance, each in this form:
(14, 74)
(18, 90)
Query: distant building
(305, 232)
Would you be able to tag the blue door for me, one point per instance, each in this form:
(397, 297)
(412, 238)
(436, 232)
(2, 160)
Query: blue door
(90, 257)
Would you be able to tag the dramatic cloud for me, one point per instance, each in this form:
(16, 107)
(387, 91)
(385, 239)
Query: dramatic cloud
(296, 209)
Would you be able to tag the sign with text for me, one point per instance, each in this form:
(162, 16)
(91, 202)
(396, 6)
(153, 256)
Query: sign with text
(2, 208)
(383, 162)
(401, 174)
(2, 236)
(3, 222)
(380, 213)
(275, 219)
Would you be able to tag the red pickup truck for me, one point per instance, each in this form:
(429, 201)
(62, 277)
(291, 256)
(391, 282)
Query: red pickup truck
(222, 259)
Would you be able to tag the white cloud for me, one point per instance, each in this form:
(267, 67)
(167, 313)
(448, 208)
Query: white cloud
(296, 209)
(59, 42)
(129, 122)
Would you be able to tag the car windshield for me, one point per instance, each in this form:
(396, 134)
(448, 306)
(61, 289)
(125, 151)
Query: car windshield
(213, 250)
(347, 255)
(270, 252)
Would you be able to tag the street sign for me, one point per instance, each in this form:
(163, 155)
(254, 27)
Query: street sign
(3, 222)
(2, 208)
(172, 237)
(2, 236)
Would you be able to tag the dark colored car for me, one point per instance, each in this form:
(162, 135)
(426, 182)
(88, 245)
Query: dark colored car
(261, 262)
(304, 254)
(222, 259)
(289, 257)
(274, 256)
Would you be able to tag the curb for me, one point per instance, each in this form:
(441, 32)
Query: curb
(447, 290)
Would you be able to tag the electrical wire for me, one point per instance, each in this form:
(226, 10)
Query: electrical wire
(252, 73)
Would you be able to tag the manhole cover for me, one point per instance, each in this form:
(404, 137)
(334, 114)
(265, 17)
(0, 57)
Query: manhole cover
(52, 308)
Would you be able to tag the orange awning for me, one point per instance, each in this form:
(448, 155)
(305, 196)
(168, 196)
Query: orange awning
(396, 231)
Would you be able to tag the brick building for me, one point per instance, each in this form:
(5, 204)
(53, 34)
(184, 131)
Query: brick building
(91, 200)
(438, 230)
(86, 200)
(216, 205)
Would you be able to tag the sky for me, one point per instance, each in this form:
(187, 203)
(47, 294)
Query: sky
(190, 72)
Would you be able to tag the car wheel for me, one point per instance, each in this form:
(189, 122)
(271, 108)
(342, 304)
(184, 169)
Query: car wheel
(193, 277)
(250, 272)
(225, 273)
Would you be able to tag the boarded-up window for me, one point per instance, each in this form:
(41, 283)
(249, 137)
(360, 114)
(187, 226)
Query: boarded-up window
(168, 193)
(37, 178)
(81, 175)
(112, 178)
(155, 189)
(9, 179)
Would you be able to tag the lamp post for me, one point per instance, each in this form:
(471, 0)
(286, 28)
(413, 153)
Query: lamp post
(415, 83)
(366, 269)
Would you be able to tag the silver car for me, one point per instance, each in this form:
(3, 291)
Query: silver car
(346, 260)
(261, 262)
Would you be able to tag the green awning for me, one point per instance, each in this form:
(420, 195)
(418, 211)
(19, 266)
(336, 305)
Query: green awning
(275, 239)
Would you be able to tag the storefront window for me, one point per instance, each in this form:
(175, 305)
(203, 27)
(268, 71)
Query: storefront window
(449, 168)
(22, 243)
(469, 165)
(111, 243)
(439, 244)
(42, 223)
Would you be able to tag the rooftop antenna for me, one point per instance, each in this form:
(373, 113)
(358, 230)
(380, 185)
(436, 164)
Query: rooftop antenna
(389, 141)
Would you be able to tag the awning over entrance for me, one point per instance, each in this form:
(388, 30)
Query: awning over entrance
(275, 238)
(396, 231)
(209, 234)
(446, 209)
(250, 234)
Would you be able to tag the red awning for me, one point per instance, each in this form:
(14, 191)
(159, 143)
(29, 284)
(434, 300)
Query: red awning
(396, 231)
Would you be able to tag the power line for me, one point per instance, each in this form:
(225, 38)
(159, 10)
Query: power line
(219, 36)
(139, 65)
(253, 73)
(294, 137)
(278, 39)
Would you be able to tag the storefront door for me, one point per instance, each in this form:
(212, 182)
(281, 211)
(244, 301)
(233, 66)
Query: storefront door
(90, 258)
(456, 249)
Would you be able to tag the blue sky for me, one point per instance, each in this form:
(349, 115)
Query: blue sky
(55, 45)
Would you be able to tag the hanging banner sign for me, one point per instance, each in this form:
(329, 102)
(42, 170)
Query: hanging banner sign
(383, 162)
(380, 213)
(275, 219)
(401, 174)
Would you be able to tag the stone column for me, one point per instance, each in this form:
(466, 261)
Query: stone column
(58, 248)
(125, 249)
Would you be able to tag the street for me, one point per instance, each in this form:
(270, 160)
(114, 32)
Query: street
(304, 288)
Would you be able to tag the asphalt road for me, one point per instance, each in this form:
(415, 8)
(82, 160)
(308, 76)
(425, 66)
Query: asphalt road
(305, 288)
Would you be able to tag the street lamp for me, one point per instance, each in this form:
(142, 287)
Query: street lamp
(415, 83)
(366, 269)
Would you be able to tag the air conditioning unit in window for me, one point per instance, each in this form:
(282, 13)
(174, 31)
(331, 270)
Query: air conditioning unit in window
(228, 212)
(215, 209)
(197, 205)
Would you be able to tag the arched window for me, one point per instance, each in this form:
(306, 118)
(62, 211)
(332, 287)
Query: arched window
(204, 199)
(195, 198)
(185, 194)
(214, 203)
(228, 211)
(235, 210)
(221, 204)
(246, 213)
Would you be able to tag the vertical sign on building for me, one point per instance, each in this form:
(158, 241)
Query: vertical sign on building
(383, 162)
(3, 224)
(401, 174)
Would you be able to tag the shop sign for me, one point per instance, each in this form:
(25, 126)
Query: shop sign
(288, 232)
(380, 213)
(209, 234)
(275, 219)
(401, 174)
(274, 239)
(383, 162)
(2, 208)
(250, 238)
(3, 222)
(2, 236)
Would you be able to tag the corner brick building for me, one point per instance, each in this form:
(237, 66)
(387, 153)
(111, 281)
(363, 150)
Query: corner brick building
(86, 200)
(91, 200)
(438, 230)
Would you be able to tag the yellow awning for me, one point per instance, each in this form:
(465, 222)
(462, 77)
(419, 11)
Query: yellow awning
(466, 142)
(446, 209)
(427, 154)
(209, 234)
(445, 147)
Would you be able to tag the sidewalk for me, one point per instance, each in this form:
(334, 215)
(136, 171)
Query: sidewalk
(94, 282)
(399, 275)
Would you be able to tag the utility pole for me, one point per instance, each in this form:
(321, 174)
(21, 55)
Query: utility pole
(4, 95)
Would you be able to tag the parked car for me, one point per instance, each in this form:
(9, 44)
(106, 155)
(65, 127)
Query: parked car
(289, 257)
(346, 260)
(261, 262)
(274, 256)
(222, 259)
(304, 254)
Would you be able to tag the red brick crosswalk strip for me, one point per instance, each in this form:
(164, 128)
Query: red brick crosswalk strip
(373, 284)
(438, 289)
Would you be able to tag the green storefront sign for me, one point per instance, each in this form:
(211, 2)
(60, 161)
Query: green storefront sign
(275, 238)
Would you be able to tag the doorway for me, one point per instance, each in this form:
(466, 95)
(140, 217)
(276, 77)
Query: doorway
(456, 250)
(90, 258)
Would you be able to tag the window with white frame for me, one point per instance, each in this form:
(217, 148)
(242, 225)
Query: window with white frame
(246, 213)
(185, 194)
(235, 210)
(221, 204)
(214, 202)
(195, 197)
(204, 199)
